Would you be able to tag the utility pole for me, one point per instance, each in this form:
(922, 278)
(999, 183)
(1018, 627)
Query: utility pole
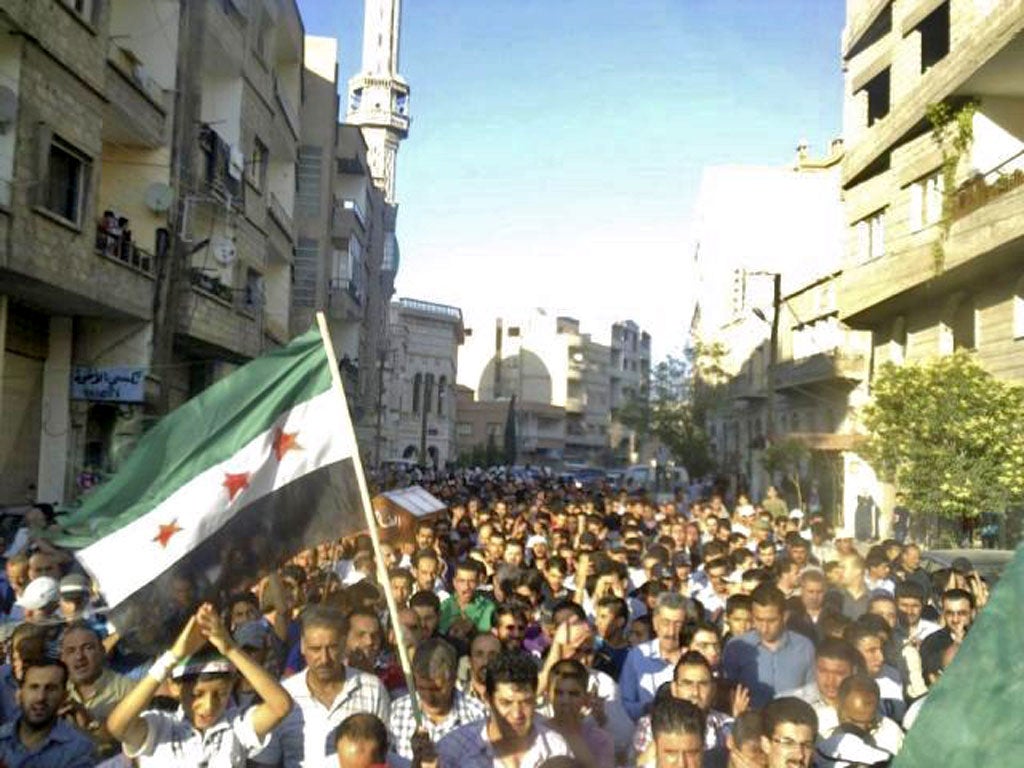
(773, 356)
(378, 437)
(172, 266)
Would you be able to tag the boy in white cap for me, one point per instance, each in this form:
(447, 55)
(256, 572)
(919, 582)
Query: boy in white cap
(203, 731)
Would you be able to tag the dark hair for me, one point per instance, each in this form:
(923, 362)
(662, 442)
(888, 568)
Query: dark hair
(365, 727)
(795, 541)
(569, 605)
(874, 623)
(767, 595)
(511, 608)
(424, 599)
(691, 659)
(789, 709)
(692, 628)
(738, 603)
(858, 631)
(570, 669)
(958, 594)
(78, 625)
(748, 727)
(243, 597)
(838, 650)
(672, 715)
(469, 564)
(401, 573)
(833, 623)
(557, 561)
(425, 524)
(424, 554)
(33, 662)
(876, 556)
(514, 668)
(617, 604)
(910, 590)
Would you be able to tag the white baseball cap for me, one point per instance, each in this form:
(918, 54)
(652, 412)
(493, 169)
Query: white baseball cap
(39, 593)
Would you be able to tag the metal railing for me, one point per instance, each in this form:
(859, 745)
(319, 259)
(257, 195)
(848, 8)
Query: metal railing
(983, 187)
(431, 308)
(118, 246)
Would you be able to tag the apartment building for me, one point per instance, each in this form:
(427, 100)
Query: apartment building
(758, 228)
(934, 257)
(629, 378)
(548, 361)
(105, 184)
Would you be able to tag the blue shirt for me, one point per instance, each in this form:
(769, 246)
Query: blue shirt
(643, 673)
(64, 747)
(769, 672)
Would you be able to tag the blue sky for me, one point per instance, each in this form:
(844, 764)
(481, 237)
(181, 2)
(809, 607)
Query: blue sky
(557, 145)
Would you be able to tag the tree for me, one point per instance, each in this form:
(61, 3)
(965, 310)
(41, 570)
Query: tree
(673, 410)
(947, 433)
(787, 457)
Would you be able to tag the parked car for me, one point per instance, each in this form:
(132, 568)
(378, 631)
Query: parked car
(989, 563)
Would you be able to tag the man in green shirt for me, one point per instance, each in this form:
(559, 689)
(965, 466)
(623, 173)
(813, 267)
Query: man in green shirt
(772, 503)
(466, 610)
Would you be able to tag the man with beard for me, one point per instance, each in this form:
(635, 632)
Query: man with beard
(325, 694)
(510, 625)
(510, 735)
(39, 737)
(444, 709)
(484, 648)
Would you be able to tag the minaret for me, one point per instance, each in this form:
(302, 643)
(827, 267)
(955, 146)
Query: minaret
(379, 96)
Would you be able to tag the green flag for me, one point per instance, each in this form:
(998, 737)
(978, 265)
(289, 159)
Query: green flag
(974, 715)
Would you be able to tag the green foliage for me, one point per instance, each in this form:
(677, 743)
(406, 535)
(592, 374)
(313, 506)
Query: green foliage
(953, 131)
(489, 455)
(673, 412)
(947, 433)
(787, 456)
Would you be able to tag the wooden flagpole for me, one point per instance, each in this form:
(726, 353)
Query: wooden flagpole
(371, 522)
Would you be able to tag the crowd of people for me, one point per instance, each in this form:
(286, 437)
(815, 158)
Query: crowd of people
(546, 625)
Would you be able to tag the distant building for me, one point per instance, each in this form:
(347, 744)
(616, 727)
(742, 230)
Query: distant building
(420, 370)
(547, 362)
(753, 223)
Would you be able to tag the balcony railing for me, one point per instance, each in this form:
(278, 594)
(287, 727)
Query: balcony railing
(212, 285)
(430, 308)
(983, 187)
(118, 245)
(345, 285)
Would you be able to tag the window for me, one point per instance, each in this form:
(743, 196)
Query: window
(1018, 310)
(307, 180)
(442, 393)
(926, 197)
(253, 289)
(464, 429)
(428, 392)
(871, 236)
(258, 164)
(417, 387)
(84, 8)
(877, 90)
(934, 31)
(964, 325)
(65, 181)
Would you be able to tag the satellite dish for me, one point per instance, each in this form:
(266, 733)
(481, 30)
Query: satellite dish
(159, 197)
(223, 249)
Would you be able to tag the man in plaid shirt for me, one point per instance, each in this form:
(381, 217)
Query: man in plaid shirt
(442, 707)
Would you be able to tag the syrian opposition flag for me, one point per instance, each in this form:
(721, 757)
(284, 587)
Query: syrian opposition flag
(259, 466)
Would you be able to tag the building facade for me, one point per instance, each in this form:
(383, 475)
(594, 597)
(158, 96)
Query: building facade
(934, 261)
(418, 413)
(547, 363)
(934, 246)
(147, 155)
(760, 228)
(629, 380)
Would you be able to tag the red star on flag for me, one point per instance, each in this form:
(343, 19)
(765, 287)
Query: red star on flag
(166, 532)
(284, 442)
(235, 483)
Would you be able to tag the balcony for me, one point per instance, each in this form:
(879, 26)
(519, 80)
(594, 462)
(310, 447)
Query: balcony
(430, 308)
(113, 244)
(134, 114)
(209, 317)
(344, 300)
(346, 216)
(986, 187)
(287, 109)
(828, 368)
(223, 168)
